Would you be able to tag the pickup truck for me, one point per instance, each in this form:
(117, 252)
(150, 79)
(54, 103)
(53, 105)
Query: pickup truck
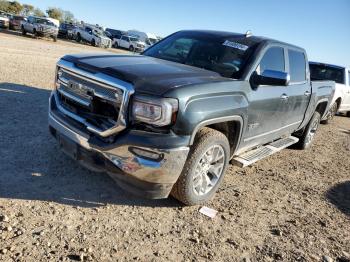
(131, 43)
(92, 35)
(39, 26)
(170, 120)
(341, 76)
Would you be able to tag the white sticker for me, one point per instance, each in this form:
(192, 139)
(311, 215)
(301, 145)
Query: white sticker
(235, 45)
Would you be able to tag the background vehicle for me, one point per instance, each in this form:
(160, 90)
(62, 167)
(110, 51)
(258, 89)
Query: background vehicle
(64, 29)
(131, 43)
(114, 33)
(148, 38)
(4, 21)
(341, 76)
(92, 35)
(170, 121)
(39, 26)
(16, 22)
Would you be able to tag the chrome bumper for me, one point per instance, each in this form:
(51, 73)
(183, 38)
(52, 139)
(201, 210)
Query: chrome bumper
(154, 166)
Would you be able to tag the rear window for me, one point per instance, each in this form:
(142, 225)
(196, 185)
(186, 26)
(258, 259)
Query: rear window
(297, 66)
(327, 72)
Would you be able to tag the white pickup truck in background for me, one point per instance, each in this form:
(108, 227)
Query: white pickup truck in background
(341, 76)
(131, 43)
(92, 35)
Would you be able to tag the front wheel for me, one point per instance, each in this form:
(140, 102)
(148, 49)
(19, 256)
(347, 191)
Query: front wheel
(54, 38)
(309, 133)
(131, 48)
(204, 169)
(93, 43)
(23, 31)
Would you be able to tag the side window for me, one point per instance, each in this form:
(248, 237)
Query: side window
(124, 38)
(348, 78)
(297, 66)
(273, 59)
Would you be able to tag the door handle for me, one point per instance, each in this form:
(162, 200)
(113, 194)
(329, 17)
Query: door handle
(284, 97)
(307, 93)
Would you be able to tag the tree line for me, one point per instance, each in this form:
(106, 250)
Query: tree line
(14, 7)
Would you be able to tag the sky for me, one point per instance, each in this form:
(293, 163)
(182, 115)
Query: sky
(322, 27)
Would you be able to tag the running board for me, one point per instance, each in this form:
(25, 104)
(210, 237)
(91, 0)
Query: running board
(255, 155)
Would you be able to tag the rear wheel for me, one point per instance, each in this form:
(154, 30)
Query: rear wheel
(330, 116)
(309, 132)
(54, 38)
(23, 31)
(204, 168)
(78, 38)
(93, 43)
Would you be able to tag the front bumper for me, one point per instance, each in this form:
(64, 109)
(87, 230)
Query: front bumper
(143, 170)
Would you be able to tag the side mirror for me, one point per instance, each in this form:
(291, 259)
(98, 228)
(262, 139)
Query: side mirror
(270, 78)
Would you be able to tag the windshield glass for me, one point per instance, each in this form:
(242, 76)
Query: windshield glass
(45, 22)
(327, 72)
(99, 32)
(224, 55)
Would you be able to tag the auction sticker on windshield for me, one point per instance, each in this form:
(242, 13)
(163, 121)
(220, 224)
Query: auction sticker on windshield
(235, 45)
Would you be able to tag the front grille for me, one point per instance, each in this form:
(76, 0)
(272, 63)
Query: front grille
(95, 104)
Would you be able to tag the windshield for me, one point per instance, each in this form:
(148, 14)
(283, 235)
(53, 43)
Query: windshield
(327, 72)
(99, 32)
(45, 22)
(134, 39)
(224, 55)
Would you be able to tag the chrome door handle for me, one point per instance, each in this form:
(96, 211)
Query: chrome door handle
(284, 97)
(307, 93)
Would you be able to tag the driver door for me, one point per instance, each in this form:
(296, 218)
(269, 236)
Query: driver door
(267, 104)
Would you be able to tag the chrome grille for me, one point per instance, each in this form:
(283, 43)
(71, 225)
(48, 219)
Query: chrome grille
(97, 101)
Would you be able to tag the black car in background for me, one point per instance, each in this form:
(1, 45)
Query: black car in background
(113, 33)
(63, 31)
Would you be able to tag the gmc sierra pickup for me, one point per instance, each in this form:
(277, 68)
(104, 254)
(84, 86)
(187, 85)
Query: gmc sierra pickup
(170, 120)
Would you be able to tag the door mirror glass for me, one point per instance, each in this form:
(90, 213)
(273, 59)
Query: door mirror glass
(270, 78)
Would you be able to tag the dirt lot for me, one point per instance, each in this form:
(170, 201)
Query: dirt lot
(292, 206)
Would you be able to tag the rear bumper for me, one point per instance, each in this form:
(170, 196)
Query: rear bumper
(143, 170)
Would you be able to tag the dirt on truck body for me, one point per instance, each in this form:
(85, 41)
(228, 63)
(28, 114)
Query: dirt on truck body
(293, 206)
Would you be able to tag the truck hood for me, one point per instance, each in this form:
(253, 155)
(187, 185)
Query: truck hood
(147, 74)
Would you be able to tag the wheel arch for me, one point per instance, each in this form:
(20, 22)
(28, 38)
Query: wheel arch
(322, 107)
(230, 126)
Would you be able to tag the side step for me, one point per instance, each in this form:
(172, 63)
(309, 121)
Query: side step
(255, 155)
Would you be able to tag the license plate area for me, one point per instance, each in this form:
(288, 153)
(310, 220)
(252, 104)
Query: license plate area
(69, 147)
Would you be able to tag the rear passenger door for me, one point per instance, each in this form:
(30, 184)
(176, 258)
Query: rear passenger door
(299, 88)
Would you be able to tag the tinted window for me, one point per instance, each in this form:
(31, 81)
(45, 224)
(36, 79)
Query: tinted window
(226, 55)
(327, 72)
(297, 67)
(273, 59)
(125, 38)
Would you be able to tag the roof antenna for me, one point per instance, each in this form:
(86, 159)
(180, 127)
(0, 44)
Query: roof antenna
(248, 33)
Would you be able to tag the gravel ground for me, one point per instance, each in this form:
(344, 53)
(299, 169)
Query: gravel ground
(294, 205)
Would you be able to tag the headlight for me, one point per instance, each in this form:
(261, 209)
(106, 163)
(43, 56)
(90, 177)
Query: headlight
(154, 111)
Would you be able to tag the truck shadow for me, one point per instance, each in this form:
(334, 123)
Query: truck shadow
(339, 196)
(32, 167)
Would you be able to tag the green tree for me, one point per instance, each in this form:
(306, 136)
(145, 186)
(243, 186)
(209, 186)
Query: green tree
(67, 16)
(38, 12)
(15, 8)
(4, 5)
(55, 13)
(27, 9)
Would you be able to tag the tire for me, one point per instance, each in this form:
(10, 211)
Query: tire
(93, 43)
(185, 189)
(35, 33)
(131, 49)
(309, 133)
(78, 38)
(348, 114)
(54, 38)
(330, 115)
(23, 31)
